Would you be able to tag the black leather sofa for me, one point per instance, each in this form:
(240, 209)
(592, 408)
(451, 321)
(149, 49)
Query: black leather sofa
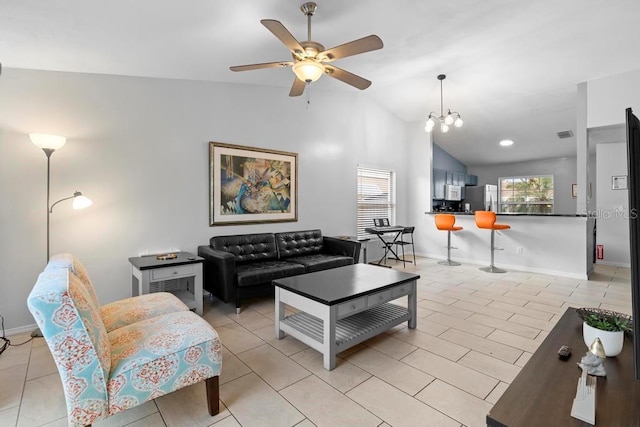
(242, 266)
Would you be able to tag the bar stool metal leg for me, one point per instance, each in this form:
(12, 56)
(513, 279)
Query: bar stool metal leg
(492, 268)
(448, 260)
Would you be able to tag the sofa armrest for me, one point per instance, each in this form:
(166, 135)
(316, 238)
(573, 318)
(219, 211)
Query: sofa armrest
(334, 246)
(219, 272)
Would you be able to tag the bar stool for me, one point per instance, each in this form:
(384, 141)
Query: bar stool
(447, 222)
(487, 219)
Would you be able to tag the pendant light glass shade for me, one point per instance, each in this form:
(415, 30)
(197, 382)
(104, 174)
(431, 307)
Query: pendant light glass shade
(448, 120)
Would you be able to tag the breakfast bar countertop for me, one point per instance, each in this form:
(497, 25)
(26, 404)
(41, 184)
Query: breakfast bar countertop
(513, 214)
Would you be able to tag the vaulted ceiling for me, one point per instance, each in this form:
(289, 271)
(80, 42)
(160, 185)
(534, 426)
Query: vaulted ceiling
(512, 67)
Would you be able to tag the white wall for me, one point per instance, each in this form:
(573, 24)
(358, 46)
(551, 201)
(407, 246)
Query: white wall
(607, 98)
(612, 205)
(419, 166)
(563, 170)
(606, 101)
(139, 148)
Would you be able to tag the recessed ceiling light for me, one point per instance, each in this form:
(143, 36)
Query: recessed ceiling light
(506, 142)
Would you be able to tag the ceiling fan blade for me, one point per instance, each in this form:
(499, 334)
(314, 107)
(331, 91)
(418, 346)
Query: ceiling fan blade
(298, 87)
(260, 66)
(365, 44)
(284, 36)
(347, 77)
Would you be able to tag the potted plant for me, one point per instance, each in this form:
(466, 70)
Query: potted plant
(607, 325)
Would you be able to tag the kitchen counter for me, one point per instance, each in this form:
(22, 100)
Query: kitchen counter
(514, 214)
(554, 244)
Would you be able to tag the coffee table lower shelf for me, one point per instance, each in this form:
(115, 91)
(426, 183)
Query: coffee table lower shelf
(350, 331)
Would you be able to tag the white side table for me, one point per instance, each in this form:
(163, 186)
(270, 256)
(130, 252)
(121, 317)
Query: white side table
(149, 274)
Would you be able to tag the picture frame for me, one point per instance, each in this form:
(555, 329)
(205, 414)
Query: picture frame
(249, 185)
(574, 191)
(619, 182)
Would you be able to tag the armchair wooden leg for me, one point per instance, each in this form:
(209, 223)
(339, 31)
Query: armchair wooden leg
(213, 395)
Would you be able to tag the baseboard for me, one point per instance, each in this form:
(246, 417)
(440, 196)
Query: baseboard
(517, 268)
(20, 330)
(614, 264)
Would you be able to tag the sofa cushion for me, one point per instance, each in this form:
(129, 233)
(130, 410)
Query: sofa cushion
(299, 243)
(318, 262)
(247, 247)
(257, 273)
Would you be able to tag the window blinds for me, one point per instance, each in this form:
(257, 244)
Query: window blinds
(376, 197)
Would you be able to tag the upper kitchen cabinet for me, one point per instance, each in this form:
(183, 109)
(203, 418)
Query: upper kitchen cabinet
(439, 181)
(471, 180)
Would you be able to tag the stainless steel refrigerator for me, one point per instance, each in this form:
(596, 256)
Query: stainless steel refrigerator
(482, 197)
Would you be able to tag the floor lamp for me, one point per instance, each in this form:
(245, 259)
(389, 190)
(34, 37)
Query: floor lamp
(49, 144)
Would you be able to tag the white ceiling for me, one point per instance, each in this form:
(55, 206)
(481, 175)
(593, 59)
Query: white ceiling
(512, 66)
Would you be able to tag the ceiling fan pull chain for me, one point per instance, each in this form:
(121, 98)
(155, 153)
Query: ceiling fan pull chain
(307, 91)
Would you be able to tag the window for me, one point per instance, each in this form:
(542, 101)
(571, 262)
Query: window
(376, 197)
(530, 194)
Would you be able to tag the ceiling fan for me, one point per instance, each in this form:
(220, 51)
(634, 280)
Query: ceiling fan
(310, 59)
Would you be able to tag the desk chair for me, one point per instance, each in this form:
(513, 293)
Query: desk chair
(404, 241)
(487, 220)
(447, 222)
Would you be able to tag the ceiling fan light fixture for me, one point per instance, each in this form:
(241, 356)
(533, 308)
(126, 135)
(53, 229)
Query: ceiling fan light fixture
(308, 71)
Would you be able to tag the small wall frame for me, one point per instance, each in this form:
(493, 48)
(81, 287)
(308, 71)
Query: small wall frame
(619, 182)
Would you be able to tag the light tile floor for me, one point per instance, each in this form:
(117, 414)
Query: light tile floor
(475, 332)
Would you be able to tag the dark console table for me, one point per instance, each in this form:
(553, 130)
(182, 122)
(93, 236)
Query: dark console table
(543, 392)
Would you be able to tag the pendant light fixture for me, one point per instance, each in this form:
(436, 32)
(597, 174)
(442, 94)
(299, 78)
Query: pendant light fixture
(451, 118)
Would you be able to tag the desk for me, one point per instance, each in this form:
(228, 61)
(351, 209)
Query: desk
(388, 245)
(543, 391)
(149, 274)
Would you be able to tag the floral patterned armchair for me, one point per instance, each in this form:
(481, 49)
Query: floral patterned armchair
(123, 312)
(104, 372)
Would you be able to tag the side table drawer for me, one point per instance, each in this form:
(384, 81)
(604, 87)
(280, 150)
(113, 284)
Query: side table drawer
(401, 290)
(349, 307)
(170, 272)
(378, 298)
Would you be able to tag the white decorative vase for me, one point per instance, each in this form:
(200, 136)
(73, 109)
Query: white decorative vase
(611, 341)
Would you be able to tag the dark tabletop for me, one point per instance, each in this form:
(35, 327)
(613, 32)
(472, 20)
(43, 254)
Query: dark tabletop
(147, 262)
(543, 391)
(344, 283)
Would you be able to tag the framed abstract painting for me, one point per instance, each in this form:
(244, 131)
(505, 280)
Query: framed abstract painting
(251, 185)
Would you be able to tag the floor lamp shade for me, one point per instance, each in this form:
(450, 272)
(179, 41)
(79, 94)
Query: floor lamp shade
(80, 201)
(48, 142)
